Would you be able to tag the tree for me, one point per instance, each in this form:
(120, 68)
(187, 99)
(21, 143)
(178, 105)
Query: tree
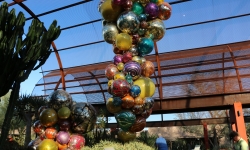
(20, 54)
(3, 106)
(27, 107)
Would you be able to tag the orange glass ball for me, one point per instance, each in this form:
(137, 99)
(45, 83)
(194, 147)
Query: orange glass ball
(50, 133)
(128, 102)
(147, 68)
(139, 101)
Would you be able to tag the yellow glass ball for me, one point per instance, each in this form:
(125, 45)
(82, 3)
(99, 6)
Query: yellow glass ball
(63, 113)
(123, 41)
(48, 144)
(137, 59)
(119, 75)
(147, 86)
(120, 66)
(110, 83)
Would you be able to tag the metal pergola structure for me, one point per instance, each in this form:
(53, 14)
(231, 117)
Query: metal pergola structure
(199, 79)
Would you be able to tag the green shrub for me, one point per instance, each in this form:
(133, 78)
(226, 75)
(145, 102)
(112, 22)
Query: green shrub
(133, 145)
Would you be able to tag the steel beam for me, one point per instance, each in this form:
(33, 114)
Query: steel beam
(187, 122)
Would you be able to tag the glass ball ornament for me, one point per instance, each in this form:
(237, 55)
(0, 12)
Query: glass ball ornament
(133, 68)
(50, 133)
(120, 66)
(63, 137)
(148, 103)
(64, 124)
(127, 56)
(137, 59)
(48, 117)
(152, 10)
(117, 59)
(139, 101)
(83, 117)
(145, 46)
(156, 30)
(127, 5)
(135, 91)
(125, 119)
(147, 68)
(137, 8)
(33, 145)
(119, 75)
(146, 113)
(120, 87)
(142, 17)
(59, 99)
(139, 125)
(123, 41)
(165, 11)
(109, 32)
(76, 142)
(110, 71)
(134, 50)
(110, 12)
(112, 106)
(146, 85)
(47, 144)
(117, 101)
(38, 127)
(138, 109)
(126, 136)
(64, 113)
(128, 102)
(128, 22)
(129, 79)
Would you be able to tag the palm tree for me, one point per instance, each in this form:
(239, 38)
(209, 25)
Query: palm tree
(27, 111)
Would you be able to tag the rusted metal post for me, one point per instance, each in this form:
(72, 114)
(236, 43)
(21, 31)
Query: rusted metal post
(205, 136)
(237, 120)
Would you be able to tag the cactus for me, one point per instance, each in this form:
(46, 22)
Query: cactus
(20, 54)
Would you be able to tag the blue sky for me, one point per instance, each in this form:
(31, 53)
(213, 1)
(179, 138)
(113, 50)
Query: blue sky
(201, 35)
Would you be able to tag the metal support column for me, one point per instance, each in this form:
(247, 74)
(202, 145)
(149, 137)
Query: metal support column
(205, 136)
(237, 120)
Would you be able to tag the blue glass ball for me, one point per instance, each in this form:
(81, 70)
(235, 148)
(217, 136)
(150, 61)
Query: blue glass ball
(135, 91)
(117, 101)
(142, 17)
(145, 46)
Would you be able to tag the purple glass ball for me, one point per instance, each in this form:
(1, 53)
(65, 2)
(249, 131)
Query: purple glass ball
(152, 10)
(133, 68)
(117, 59)
(62, 137)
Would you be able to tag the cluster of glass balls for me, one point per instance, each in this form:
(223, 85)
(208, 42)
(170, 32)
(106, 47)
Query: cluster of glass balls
(132, 27)
(62, 123)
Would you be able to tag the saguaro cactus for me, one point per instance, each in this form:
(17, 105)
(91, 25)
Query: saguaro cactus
(20, 54)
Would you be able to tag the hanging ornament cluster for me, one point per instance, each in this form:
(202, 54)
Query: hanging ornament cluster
(132, 26)
(62, 123)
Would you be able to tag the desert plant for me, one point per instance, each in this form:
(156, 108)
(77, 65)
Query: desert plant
(20, 54)
(147, 139)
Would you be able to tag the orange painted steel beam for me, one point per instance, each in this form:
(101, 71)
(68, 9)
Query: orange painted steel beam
(237, 119)
(159, 70)
(99, 85)
(196, 103)
(53, 44)
(156, 79)
(236, 69)
(157, 85)
(186, 122)
(167, 75)
(223, 75)
(206, 140)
